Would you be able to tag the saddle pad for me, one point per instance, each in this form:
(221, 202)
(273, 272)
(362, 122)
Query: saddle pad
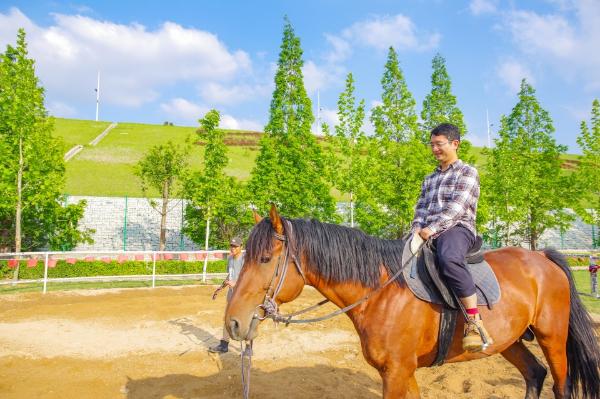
(485, 280)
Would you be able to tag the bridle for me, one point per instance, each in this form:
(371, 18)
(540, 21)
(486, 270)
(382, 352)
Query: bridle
(269, 305)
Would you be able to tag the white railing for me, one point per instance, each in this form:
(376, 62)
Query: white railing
(51, 257)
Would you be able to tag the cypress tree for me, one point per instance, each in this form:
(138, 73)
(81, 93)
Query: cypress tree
(290, 166)
(528, 190)
(587, 176)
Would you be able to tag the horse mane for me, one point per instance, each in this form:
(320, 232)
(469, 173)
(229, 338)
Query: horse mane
(335, 253)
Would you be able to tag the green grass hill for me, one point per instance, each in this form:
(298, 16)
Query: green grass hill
(107, 168)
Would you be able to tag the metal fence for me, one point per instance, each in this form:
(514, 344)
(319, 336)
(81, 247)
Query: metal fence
(49, 260)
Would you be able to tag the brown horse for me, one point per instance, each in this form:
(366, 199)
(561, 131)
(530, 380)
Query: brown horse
(398, 332)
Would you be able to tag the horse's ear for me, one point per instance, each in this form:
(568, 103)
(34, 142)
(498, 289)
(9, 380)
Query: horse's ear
(257, 217)
(276, 220)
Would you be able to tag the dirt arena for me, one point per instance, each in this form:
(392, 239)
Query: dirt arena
(144, 343)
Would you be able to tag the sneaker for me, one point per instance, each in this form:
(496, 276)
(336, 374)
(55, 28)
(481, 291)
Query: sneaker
(223, 347)
(472, 341)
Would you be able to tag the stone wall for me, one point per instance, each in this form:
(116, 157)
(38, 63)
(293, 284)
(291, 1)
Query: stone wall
(107, 215)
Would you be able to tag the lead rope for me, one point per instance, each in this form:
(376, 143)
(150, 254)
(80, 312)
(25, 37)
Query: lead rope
(246, 362)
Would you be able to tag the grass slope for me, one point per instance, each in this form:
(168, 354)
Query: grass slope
(107, 169)
(75, 131)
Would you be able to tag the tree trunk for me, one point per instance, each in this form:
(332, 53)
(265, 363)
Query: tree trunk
(18, 211)
(533, 239)
(533, 234)
(507, 236)
(351, 209)
(163, 217)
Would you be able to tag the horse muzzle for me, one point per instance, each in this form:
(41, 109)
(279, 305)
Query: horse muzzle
(238, 332)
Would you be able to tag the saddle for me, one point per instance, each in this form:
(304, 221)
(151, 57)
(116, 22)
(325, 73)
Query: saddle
(424, 280)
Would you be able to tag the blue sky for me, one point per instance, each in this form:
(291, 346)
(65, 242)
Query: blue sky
(174, 61)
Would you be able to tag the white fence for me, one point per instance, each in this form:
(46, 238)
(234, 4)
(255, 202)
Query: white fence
(50, 259)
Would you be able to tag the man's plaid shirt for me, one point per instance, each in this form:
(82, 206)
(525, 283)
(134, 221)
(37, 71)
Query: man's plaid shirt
(448, 198)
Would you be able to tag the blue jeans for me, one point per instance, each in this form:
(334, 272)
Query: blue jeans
(452, 247)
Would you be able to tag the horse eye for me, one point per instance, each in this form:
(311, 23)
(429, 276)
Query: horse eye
(265, 259)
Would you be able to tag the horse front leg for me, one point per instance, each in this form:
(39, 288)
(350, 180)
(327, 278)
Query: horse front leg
(399, 382)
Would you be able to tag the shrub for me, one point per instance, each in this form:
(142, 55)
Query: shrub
(99, 268)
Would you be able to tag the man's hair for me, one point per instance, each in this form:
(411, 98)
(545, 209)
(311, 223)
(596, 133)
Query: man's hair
(447, 129)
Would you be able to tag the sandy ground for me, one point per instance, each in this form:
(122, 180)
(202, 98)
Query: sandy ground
(143, 343)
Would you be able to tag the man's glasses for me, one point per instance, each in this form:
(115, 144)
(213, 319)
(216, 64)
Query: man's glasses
(438, 145)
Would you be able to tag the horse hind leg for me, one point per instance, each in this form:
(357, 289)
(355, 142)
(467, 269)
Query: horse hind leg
(530, 367)
(552, 337)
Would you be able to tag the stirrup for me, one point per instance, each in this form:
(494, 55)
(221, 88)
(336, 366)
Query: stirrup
(483, 336)
(486, 340)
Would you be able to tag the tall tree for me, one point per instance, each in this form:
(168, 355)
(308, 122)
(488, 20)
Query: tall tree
(396, 160)
(587, 175)
(440, 106)
(32, 171)
(289, 169)
(528, 190)
(395, 118)
(160, 169)
(215, 199)
(346, 145)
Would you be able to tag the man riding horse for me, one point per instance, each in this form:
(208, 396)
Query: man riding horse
(445, 213)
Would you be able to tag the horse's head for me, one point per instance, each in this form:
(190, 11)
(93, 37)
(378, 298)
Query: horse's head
(271, 274)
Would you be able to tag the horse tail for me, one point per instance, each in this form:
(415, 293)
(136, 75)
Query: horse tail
(583, 352)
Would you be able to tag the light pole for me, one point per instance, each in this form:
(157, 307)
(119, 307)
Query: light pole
(97, 90)
(489, 130)
(318, 113)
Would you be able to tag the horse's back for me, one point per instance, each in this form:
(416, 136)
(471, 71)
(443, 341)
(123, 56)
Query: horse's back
(529, 280)
(523, 267)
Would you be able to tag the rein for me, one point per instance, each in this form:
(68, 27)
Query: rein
(272, 310)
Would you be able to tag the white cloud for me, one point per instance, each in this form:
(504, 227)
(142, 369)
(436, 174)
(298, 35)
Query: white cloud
(10, 23)
(184, 111)
(551, 34)
(399, 31)
(378, 32)
(229, 122)
(478, 7)
(566, 40)
(135, 62)
(578, 113)
(511, 73)
(341, 49)
(477, 140)
(321, 76)
(218, 93)
(62, 110)
(330, 117)
(375, 103)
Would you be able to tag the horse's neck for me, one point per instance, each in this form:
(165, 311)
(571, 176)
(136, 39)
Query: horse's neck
(341, 294)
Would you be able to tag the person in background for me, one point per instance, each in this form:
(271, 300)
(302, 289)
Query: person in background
(235, 261)
(593, 268)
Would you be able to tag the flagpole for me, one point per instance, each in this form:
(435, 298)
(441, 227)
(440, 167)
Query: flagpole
(318, 113)
(97, 96)
(487, 116)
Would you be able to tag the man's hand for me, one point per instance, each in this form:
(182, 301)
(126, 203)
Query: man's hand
(230, 283)
(223, 285)
(425, 233)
